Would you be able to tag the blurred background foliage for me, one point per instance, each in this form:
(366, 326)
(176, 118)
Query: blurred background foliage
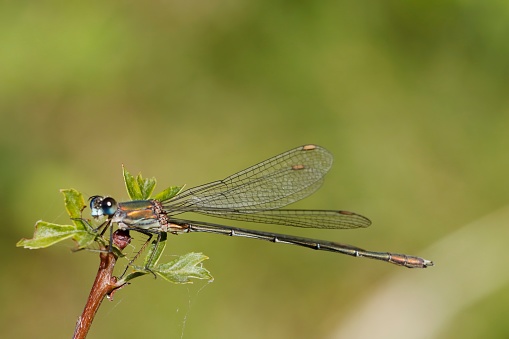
(410, 97)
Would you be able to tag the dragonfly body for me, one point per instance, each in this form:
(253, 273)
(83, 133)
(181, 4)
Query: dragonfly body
(255, 194)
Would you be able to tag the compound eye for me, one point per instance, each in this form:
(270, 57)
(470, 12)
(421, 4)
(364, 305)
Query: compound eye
(109, 206)
(96, 206)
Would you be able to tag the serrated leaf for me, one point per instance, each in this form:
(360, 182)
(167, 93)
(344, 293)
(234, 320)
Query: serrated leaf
(178, 271)
(184, 268)
(74, 204)
(47, 234)
(132, 186)
(168, 193)
(146, 186)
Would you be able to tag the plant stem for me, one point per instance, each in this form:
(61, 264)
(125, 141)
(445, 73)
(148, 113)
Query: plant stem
(104, 285)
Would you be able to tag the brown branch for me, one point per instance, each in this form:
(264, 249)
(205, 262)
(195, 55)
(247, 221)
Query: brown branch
(105, 284)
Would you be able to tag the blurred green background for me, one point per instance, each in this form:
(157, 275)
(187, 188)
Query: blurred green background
(411, 98)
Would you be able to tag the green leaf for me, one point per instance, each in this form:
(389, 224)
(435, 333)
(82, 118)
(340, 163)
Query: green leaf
(184, 268)
(85, 238)
(168, 193)
(178, 271)
(74, 204)
(132, 186)
(135, 274)
(146, 186)
(138, 188)
(47, 234)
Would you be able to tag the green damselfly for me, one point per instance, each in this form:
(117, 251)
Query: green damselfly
(255, 194)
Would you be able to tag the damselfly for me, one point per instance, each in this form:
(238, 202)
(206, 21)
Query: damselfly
(255, 194)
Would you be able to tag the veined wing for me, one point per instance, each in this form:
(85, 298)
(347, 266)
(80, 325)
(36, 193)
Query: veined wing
(271, 184)
(325, 219)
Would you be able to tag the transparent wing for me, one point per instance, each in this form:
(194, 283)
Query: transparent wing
(325, 219)
(271, 184)
(256, 193)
